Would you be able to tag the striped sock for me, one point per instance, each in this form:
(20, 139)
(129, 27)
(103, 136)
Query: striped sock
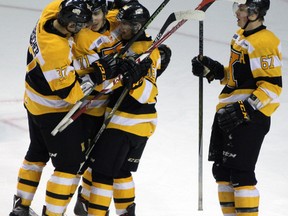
(226, 198)
(123, 193)
(246, 201)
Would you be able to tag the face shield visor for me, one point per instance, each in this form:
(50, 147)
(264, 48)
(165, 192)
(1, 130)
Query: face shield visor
(249, 9)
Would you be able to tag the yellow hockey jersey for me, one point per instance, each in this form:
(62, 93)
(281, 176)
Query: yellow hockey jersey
(254, 68)
(137, 113)
(51, 81)
(90, 46)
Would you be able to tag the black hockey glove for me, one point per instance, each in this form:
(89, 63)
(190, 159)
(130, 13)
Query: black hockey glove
(133, 72)
(105, 68)
(165, 53)
(232, 115)
(207, 67)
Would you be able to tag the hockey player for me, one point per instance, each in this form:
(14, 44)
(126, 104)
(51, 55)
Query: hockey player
(84, 190)
(253, 83)
(99, 41)
(52, 87)
(120, 146)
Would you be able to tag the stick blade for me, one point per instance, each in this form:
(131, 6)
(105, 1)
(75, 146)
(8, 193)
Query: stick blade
(240, 1)
(190, 15)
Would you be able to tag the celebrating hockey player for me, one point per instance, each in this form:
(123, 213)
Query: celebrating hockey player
(119, 149)
(253, 84)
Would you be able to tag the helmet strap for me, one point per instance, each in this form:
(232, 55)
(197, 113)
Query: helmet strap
(136, 27)
(105, 26)
(249, 21)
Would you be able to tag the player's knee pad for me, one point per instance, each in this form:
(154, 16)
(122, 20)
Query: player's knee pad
(243, 177)
(220, 172)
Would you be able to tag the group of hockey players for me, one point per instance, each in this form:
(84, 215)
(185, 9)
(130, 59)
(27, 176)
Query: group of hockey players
(74, 47)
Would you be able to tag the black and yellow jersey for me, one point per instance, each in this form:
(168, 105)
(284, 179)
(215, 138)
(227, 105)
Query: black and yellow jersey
(51, 81)
(89, 47)
(137, 113)
(254, 68)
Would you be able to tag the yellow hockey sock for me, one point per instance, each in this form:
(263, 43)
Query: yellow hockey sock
(28, 180)
(226, 198)
(86, 184)
(100, 198)
(246, 201)
(123, 193)
(58, 192)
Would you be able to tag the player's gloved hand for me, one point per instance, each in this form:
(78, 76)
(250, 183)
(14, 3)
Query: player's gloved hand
(165, 53)
(105, 68)
(133, 72)
(207, 67)
(232, 115)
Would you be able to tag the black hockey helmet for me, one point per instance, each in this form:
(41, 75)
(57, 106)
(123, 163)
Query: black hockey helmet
(259, 7)
(97, 5)
(74, 11)
(134, 13)
(121, 3)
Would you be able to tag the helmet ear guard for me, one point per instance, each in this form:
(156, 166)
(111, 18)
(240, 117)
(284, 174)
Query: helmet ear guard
(136, 26)
(259, 7)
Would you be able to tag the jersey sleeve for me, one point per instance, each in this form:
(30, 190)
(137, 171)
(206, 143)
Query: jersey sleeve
(266, 66)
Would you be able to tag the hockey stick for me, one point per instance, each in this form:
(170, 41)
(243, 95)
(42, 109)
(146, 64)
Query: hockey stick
(198, 15)
(204, 5)
(67, 120)
(73, 114)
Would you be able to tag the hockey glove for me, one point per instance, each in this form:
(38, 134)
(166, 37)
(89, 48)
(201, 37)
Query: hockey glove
(165, 53)
(86, 84)
(207, 67)
(232, 115)
(104, 68)
(133, 72)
